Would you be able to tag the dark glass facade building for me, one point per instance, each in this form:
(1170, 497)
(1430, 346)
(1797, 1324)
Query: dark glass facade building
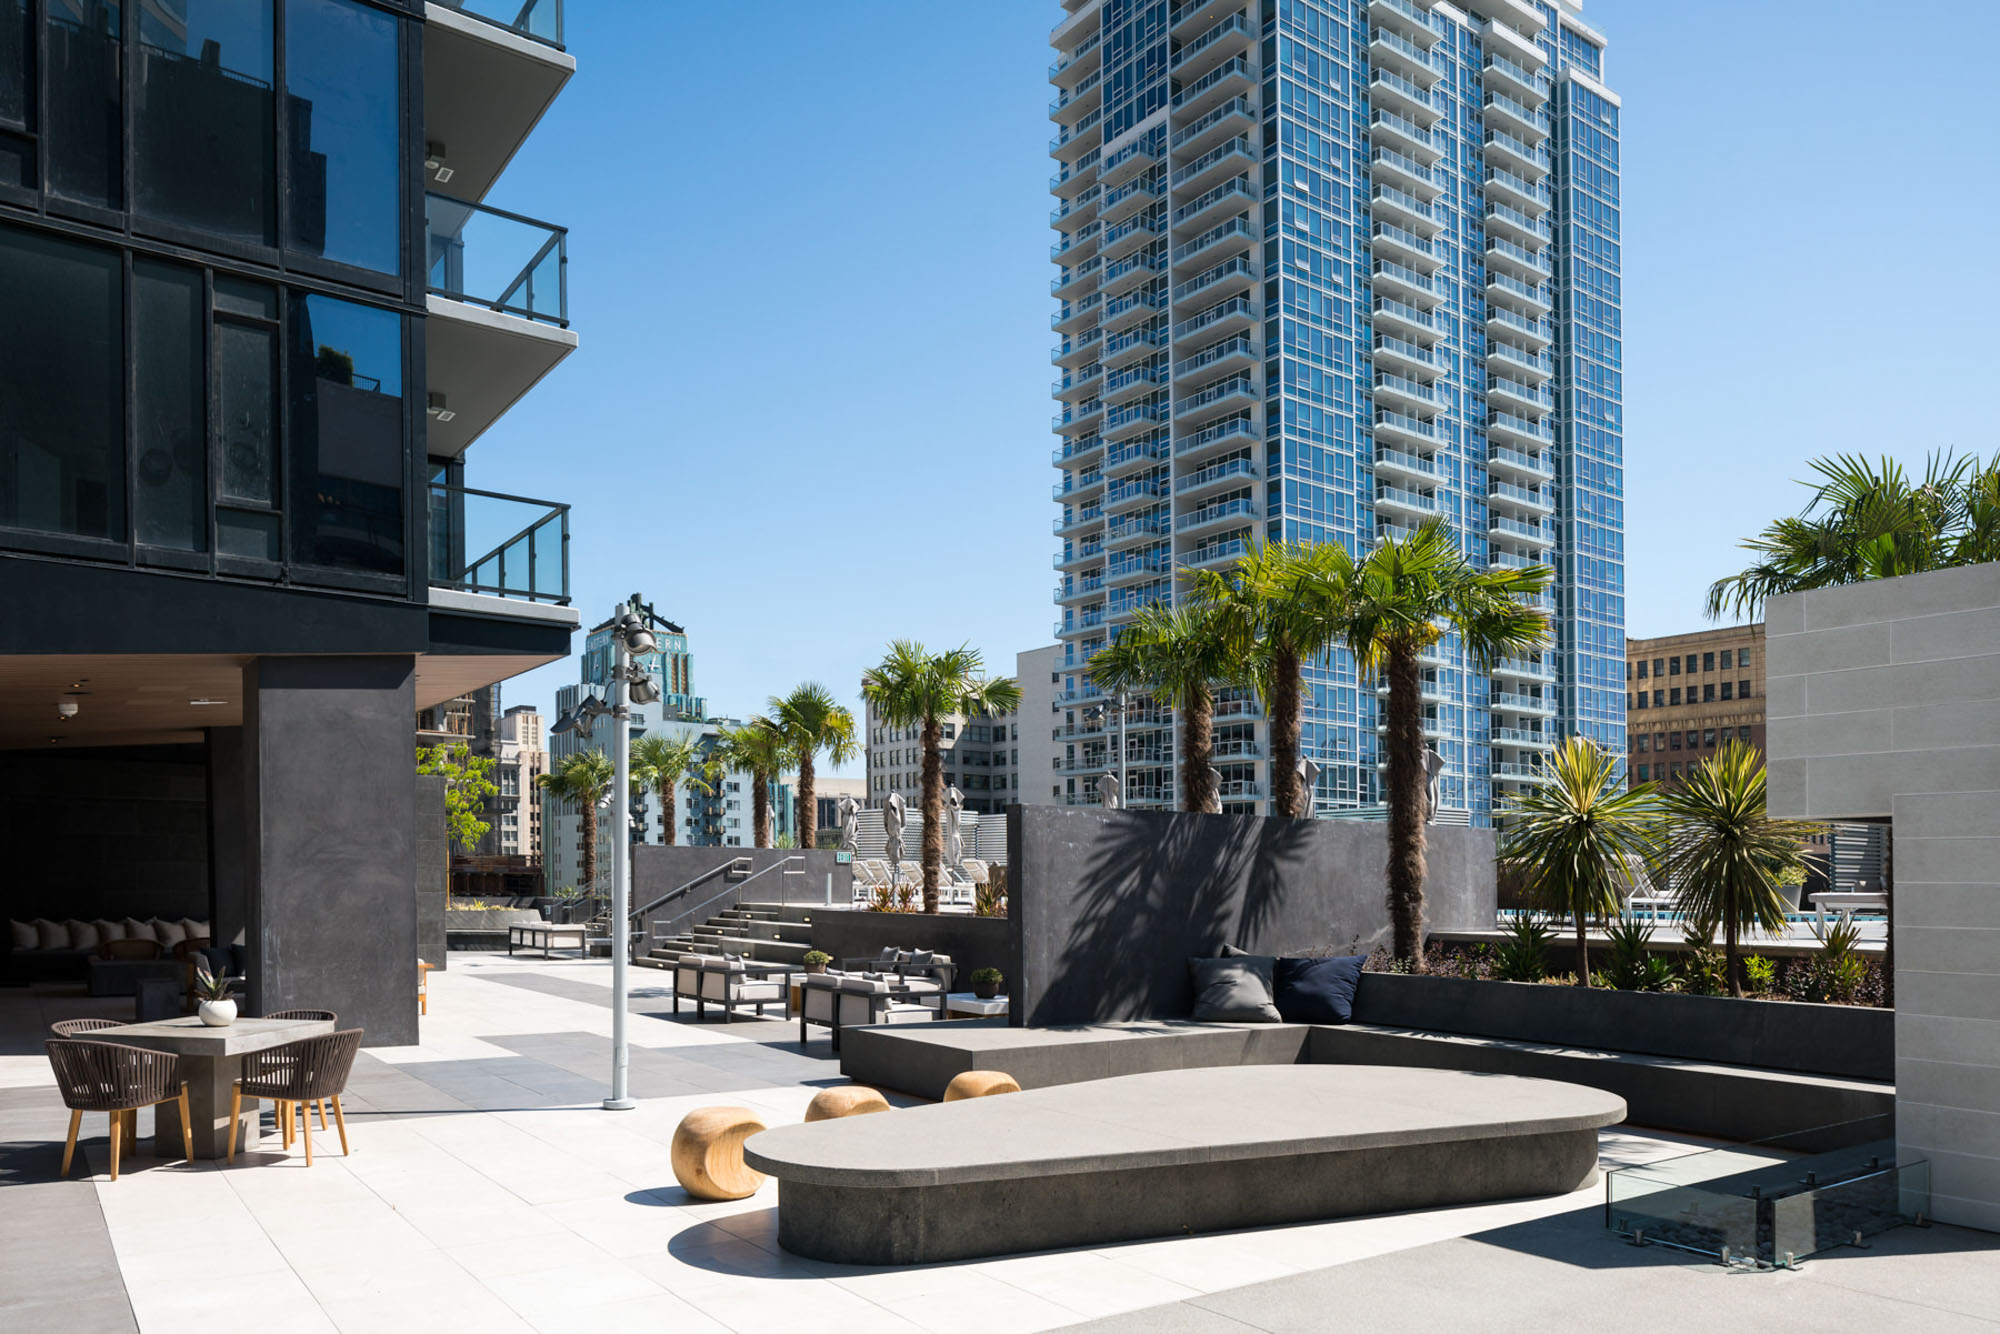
(236, 394)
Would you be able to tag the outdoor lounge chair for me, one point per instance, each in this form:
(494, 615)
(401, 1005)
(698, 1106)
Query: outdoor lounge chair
(731, 983)
(70, 1028)
(687, 979)
(295, 1075)
(320, 1016)
(852, 1000)
(118, 1080)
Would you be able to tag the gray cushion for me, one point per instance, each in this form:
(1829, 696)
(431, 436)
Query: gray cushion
(1233, 991)
(920, 959)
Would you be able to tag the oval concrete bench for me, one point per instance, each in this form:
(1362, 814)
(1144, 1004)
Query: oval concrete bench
(1170, 1152)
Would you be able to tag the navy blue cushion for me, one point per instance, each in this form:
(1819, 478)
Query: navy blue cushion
(1317, 991)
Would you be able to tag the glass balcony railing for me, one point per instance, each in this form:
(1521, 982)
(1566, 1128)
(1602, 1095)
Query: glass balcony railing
(541, 20)
(502, 261)
(506, 546)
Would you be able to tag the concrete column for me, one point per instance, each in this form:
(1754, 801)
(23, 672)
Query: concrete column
(330, 754)
(433, 868)
(229, 840)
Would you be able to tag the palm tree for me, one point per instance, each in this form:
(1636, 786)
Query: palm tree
(1723, 854)
(1576, 839)
(912, 686)
(1177, 654)
(663, 762)
(811, 721)
(759, 747)
(583, 778)
(1277, 606)
(1869, 520)
(1396, 602)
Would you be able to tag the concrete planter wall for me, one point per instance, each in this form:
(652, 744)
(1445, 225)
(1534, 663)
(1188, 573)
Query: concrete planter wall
(972, 942)
(1844, 1041)
(484, 928)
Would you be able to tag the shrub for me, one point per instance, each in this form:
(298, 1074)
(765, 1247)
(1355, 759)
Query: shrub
(985, 976)
(989, 902)
(1701, 972)
(1632, 967)
(1524, 955)
(817, 959)
(1761, 973)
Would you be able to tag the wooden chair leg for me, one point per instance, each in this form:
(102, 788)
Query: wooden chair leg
(284, 1112)
(321, 1105)
(341, 1121)
(235, 1120)
(69, 1148)
(306, 1131)
(117, 1138)
(187, 1124)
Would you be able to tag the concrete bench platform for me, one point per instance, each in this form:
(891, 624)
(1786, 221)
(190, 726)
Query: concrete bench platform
(1667, 1093)
(1170, 1152)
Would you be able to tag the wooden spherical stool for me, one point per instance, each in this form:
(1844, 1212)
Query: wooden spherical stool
(979, 1084)
(846, 1100)
(708, 1153)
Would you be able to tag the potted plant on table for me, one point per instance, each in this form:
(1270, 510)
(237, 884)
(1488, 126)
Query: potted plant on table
(986, 983)
(217, 1010)
(817, 960)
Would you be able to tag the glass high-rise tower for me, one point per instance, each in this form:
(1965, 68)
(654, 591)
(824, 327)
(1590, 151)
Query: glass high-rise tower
(1329, 268)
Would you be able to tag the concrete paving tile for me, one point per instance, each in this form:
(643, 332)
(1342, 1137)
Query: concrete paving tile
(550, 1251)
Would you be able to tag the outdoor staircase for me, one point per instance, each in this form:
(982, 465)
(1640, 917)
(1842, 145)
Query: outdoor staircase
(765, 932)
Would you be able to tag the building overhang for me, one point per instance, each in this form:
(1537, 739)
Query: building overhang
(485, 88)
(482, 362)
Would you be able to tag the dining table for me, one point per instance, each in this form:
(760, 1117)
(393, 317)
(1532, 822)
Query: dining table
(211, 1062)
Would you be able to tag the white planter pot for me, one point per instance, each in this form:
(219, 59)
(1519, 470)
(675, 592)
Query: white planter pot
(218, 1014)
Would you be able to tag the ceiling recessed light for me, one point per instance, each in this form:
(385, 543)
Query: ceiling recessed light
(204, 701)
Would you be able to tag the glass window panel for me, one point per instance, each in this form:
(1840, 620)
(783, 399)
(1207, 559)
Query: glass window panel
(17, 41)
(234, 296)
(246, 372)
(343, 89)
(62, 424)
(204, 128)
(169, 434)
(17, 160)
(239, 533)
(85, 161)
(347, 447)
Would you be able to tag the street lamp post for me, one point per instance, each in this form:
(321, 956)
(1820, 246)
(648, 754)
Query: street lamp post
(630, 685)
(621, 865)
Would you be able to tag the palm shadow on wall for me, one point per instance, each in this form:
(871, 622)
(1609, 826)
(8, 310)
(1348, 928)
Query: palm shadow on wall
(1159, 887)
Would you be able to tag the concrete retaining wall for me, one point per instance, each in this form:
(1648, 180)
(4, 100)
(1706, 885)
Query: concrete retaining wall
(1108, 905)
(1846, 1041)
(433, 869)
(1884, 701)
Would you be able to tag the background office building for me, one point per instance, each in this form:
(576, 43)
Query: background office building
(714, 812)
(254, 315)
(1328, 268)
(1690, 694)
(521, 756)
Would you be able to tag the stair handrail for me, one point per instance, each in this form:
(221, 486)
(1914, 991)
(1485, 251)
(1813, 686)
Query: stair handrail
(735, 888)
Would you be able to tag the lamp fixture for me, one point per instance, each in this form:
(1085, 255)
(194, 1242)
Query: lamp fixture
(65, 710)
(205, 702)
(435, 407)
(434, 161)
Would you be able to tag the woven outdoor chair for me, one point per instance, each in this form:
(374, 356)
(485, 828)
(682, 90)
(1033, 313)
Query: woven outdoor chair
(284, 1122)
(69, 1028)
(116, 1079)
(294, 1075)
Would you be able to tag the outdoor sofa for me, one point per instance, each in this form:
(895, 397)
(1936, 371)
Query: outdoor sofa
(727, 980)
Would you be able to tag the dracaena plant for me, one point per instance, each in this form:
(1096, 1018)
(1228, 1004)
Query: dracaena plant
(209, 984)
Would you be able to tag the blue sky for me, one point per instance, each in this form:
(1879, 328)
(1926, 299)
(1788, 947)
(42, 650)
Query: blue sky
(808, 260)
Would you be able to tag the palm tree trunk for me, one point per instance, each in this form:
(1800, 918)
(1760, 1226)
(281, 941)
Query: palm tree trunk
(1197, 751)
(933, 803)
(589, 846)
(1406, 807)
(808, 800)
(1582, 951)
(1287, 722)
(760, 809)
(670, 816)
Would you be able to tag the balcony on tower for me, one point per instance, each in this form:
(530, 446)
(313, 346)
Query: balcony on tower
(1073, 104)
(1232, 394)
(1234, 117)
(499, 315)
(1517, 80)
(1389, 241)
(1235, 315)
(1412, 21)
(1507, 115)
(1233, 510)
(1230, 473)
(1405, 467)
(1231, 37)
(491, 69)
(1386, 129)
(1511, 257)
(1506, 428)
(1231, 157)
(1398, 320)
(1519, 15)
(1396, 428)
(1505, 324)
(1132, 271)
(1528, 299)
(1502, 461)
(1079, 62)
(1218, 358)
(1232, 78)
(1392, 50)
(1514, 225)
(1411, 506)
